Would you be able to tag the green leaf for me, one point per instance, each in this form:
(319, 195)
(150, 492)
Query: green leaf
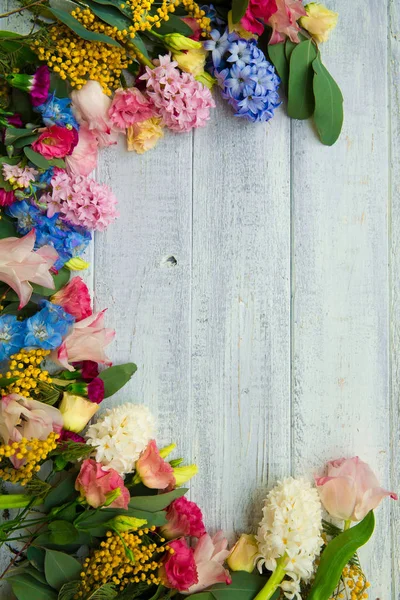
(26, 141)
(116, 377)
(60, 568)
(10, 380)
(239, 8)
(110, 15)
(36, 557)
(14, 133)
(62, 533)
(156, 519)
(155, 503)
(336, 556)
(105, 592)
(244, 586)
(36, 158)
(68, 590)
(300, 94)
(79, 29)
(44, 541)
(173, 25)
(328, 114)
(289, 47)
(140, 45)
(61, 492)
(60, 280)
(26, 587)
(7, 228)
(21, 99)
(277, 56)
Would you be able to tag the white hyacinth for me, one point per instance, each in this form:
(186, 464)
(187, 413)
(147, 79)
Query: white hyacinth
(291, 527)
(121, 434)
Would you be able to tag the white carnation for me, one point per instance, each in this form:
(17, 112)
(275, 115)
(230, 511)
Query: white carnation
(120, 435)
(291, 526)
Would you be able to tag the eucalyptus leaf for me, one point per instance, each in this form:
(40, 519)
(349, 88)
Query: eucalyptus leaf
(301, 73)
(62, 532)
(115, 378)
(15, 133)
(277, 56)
(328, 114)
(36, 158)
(61, 492)
(36, 557)
(26, 141)
(156, 503)
(26, 587)
(60, 568)
(289, 47)
(239, 8)
(79, 29)
(336, 556)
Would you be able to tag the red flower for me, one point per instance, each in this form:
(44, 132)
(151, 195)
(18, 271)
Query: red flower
(90, 370)
(56, 142)
(257, 14)
(74, 298)
(6, 198)
(184, 519)
(179, 570)
(95, 390)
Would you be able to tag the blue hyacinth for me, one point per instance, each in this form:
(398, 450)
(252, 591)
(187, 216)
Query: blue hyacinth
(57, 111)
(12, 335)
(47, 327)
(247, 79)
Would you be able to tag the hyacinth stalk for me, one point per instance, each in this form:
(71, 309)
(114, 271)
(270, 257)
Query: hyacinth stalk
(274, 581)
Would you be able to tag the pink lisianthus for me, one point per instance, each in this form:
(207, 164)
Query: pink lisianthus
(56, 142)
(128, 107)
(350, 490)
(95, 483)
(257, 14)
(25, 418)
(284, 20)
(179, 570)
(86, 341)
(210, 554)
(184, 519)
(91, 107)
(153, 470)
(182, 102)
(20, 264)
(74, 298)
(83, 159)
(6, 198)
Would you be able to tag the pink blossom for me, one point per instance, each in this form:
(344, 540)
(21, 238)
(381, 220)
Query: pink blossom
(350, 489)
(179, 570)
(56, 142)
(184, 519)
(6, 198)
(284, 20)
(25, 418)
(91, 106)
(86, 341)
(153, 470)
(182, 102)
(128, 107)
(40, 85)
(257, 14)
(210, 554)
(70, 436)
(81, 201)
(95, 483)
(83, 159)
(74, 298)
(21, 177)
(20, 264)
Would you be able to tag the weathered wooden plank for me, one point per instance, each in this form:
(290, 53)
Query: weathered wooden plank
(340, 272)
(240, 403)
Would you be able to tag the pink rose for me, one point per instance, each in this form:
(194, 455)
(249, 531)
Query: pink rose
(350, 489)
(284, 20)
(184, 519)
(86, 341)
(90, 106)
(74, 298)
(128, 107)
(83, 159)
(257, 14)
(179, 570)
(56, 142)
(153, 470)
(95, 483)
(210, 554)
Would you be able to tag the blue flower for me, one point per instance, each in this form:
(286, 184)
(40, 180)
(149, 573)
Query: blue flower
(57, 111)
(47, 327)
(12, 334)
(55, 314)
(218, 45)
(26, 215)
(239, 79)
(240, 53)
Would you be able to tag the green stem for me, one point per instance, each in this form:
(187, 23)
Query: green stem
(8, 501)
(347, 525)
(140, 56)
(18, 10)
(269, 589)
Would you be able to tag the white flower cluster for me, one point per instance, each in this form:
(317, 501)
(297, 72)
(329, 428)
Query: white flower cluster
(121, 434)
(291, 527)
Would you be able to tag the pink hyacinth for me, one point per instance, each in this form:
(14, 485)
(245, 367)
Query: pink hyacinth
(20, 177)
(182, 102)
(128, 107)
(81, 201)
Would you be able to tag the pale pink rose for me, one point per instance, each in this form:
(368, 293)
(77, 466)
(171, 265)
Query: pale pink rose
(128, 107)
(210, 553)
(86, 341)
(350, 489)
(74, 298)
(20, 264)
(284, 20)
(25, 418)
(153, 470)
(90, 105)
(83, 159)
(184, 519)
(95, 484)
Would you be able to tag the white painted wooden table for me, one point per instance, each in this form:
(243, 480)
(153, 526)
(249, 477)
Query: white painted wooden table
(253, 276)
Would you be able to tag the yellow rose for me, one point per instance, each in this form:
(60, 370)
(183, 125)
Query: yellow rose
(191, 61)
(319, 21)
(144, 136)
(243, 554)
(76, 411)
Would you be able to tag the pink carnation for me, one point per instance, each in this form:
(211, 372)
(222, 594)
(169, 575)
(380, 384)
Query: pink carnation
(95, 483)
(182, 102)
(81, 201)
(184, 519)
(257, 14)
(74, 298)
(6, 198)
(95, 390)
(284, 20)
(56, 142)
(179, 570)
(128, 107)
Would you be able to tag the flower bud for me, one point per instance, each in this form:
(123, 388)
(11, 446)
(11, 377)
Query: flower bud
(76, 411)
(319, 21)
(183, 474)
(76, 264)
(124, 524)
(166, 451)
(206, 79)
(243, 554)
(177, 42)
(111, 496)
